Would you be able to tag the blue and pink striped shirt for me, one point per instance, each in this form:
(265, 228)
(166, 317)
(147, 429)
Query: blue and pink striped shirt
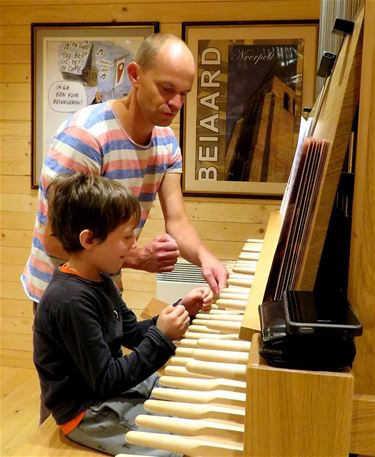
(92, 141)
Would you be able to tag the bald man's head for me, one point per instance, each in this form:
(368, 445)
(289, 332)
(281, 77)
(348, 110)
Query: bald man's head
(154, 43)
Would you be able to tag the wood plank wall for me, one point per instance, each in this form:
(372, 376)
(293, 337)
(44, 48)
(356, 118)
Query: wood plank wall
(224, 224)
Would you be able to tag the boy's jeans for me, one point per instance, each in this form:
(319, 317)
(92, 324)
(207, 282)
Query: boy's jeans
(105, 423)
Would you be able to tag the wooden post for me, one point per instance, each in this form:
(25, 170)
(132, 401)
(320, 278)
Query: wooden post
(295, 413)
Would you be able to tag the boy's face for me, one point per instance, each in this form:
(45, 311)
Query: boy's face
(109, 255)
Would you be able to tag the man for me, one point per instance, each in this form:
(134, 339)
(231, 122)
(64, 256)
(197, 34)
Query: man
(129, 140)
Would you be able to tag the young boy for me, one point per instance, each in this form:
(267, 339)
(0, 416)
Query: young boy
(93, 391)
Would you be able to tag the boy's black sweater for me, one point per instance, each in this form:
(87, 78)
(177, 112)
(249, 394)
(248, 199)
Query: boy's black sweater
(79, 328)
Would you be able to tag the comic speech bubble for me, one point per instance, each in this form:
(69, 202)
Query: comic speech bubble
(66, 96)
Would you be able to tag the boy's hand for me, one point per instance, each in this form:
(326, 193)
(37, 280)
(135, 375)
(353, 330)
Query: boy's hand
(173, 321)
(197, 299)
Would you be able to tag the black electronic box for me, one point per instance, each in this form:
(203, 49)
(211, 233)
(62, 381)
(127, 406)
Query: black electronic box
(304, 331)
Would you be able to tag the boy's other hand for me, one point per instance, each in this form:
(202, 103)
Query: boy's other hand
(198, 299)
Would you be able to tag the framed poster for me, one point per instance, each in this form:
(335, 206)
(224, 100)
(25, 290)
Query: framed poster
(240, 122)
(73, 66)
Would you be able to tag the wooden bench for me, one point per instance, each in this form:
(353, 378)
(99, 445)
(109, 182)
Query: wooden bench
(49, 441)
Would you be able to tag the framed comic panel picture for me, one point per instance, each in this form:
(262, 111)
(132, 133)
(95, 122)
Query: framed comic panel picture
(240, 122)
(75, 65)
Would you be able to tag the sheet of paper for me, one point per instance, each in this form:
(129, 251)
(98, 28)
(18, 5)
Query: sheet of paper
(304, 128)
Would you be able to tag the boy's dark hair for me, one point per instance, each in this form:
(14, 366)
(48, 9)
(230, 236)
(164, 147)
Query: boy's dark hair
(78, 202)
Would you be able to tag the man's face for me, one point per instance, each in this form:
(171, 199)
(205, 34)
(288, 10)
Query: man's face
(162, 89)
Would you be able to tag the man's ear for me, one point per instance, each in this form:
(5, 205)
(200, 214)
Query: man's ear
(87, 239)
(133, 73)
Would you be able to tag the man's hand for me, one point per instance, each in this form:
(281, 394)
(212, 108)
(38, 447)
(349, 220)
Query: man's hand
(160, 255)
(215, 273)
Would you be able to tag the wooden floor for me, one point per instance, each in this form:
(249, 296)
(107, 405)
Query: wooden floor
(21, 435)
(19, 407)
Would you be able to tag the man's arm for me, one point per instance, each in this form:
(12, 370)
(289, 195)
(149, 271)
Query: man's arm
(189, 243)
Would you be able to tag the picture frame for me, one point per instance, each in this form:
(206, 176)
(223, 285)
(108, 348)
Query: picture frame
(75, 65)
(239, 125)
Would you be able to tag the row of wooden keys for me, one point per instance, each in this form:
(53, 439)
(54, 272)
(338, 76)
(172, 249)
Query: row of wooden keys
(200, 408)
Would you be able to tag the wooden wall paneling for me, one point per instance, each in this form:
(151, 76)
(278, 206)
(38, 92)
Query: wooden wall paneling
(205, 4)
(25, 203)
(11, 289)
(227, 210)
(11, 128)
(21, 238)
(16, 73)
(19, 92)
(17, 220)
(18, 325)
(17, 53)
(218, 231)
(162, 11)
(13, 307)
(14, 256)
(16, 184)
(16, 111)
(15, 160)
(7, 274)
(14, 164)
(12, 34)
